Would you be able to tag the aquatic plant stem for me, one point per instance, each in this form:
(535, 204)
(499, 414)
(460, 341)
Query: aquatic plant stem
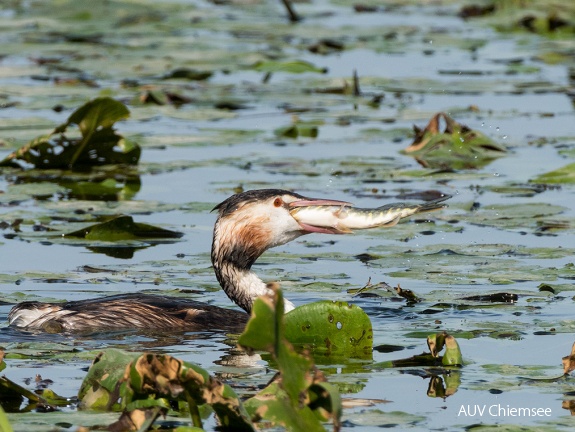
(194, 411)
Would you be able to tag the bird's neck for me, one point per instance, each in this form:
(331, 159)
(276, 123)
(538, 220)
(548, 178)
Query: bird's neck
(241, 286)
(232, 261)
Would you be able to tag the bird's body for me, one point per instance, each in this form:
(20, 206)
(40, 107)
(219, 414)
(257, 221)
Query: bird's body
(125, 311)
(248, 224)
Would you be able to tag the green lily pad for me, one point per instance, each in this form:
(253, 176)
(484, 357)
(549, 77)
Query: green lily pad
(333, 329)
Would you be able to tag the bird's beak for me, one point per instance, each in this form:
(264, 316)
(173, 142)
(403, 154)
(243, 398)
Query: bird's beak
(316, 221)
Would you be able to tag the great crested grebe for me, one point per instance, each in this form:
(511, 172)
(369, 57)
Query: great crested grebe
(248, 224)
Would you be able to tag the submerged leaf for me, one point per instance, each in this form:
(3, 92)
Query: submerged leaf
(456, 147)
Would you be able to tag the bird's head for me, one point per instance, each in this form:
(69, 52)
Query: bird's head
(253, 221)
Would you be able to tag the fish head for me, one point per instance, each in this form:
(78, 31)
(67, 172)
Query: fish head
(319, 215)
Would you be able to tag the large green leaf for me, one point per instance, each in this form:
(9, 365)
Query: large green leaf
(333, 329)
(99, 144)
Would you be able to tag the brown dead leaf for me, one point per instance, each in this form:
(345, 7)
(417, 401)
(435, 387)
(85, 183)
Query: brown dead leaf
(569, 361)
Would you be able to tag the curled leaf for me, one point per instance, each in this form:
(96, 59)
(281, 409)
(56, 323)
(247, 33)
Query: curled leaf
(569, 361)
(452, 356)
(456, 147)
(98, 144)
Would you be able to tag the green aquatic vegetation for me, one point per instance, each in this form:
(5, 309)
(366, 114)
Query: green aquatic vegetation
(98, 143)
(331, 329)
(295, 66)
(455, 147)
(122, 228)
(299, 129)
(300, 398)
(564, 175)
(517, 217)
(56, 64)
(436, 343)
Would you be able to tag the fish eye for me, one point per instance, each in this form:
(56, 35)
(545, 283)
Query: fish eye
(278, 202)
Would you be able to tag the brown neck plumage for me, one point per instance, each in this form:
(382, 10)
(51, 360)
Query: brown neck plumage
(234, 250)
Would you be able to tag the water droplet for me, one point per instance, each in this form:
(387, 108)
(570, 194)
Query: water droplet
(338, 325)
(330, 318)
(497, 128)
(504, 136)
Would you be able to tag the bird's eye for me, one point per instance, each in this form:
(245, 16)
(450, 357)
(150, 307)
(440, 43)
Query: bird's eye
(278, 202)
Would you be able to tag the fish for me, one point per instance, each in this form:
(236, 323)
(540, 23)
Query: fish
(343, 218)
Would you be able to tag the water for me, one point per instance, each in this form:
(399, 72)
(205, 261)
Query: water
(195, 156)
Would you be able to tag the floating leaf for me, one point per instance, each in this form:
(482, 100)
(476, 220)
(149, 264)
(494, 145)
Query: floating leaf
(99, 144)
(457, 147)
(304, 129)
(122, 228)
(295, 66)
(333, 329)
(188, 74)
(564, 174)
